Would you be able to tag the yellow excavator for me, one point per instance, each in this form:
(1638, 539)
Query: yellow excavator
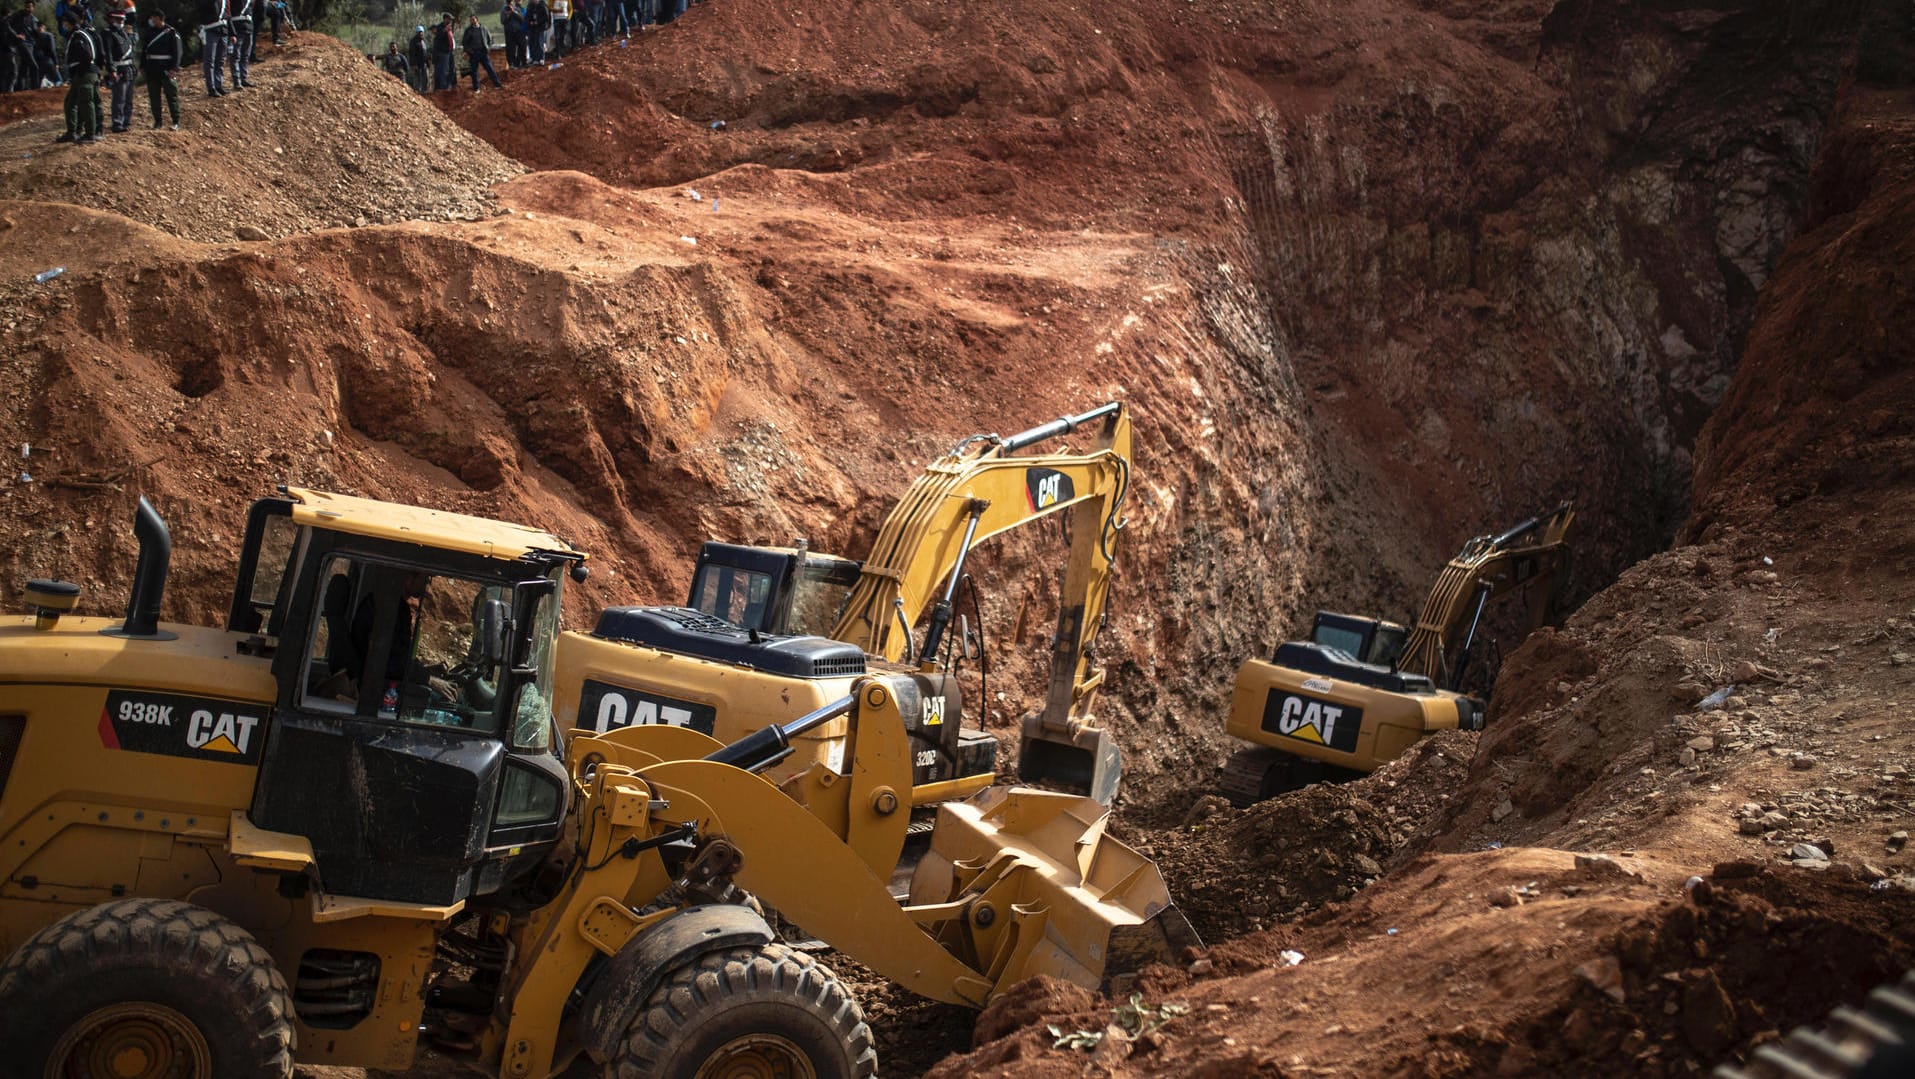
(345, 825)
(767, 629)
(1362, 690)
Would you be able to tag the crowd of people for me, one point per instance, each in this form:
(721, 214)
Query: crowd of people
(536, 32)
(110, 51)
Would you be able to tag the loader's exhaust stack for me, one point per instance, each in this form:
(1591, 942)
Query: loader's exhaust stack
(149, 577)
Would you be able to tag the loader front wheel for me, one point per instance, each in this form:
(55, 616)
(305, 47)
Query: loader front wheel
(764, 1012)
(145, 989)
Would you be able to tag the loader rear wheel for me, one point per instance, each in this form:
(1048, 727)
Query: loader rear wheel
(749, 1013)
(145, 989)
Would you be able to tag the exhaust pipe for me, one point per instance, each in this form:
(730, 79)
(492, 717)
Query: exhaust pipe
(149, 576)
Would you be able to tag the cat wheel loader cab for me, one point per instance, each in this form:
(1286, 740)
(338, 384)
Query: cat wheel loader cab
(773, 631)
(370, 733)
(1362, 690)
(343, 825)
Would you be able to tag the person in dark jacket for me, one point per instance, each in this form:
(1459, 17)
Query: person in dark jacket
(239, 35)
(512, 23)
(442, 49)
(417, 61)
(395, 63)
(478, 51)
(212, 53)
(83, 82)
(160, 57)
(538, 19)
(46, 53)
(21, 31)
(118, 38)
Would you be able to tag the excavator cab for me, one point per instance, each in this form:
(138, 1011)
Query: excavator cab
(1371, 640)
(775, 590)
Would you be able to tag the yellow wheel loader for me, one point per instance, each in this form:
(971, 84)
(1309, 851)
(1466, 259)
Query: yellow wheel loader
(345, 825)
(769, 629)
(1362, 690)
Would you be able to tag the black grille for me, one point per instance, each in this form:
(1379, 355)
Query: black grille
(12, 729)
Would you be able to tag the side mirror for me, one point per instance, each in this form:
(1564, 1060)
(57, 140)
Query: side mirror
(492, 631)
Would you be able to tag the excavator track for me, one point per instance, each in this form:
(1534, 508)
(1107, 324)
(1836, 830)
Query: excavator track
(1874, 1043)
(1244, 775)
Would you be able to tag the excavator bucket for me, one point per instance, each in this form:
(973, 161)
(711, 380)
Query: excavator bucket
(1084, 760)
(1046, 890)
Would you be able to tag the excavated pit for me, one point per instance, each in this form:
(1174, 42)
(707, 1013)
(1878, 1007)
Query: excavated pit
(1374, 277)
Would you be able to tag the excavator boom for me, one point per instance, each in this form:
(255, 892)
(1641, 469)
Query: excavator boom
(1534, 553)
(978, 491)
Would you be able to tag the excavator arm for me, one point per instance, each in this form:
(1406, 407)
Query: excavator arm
(969, 495)
(1533, 555)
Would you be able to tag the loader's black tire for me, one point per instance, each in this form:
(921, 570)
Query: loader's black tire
(766, 1012)
(145, 988)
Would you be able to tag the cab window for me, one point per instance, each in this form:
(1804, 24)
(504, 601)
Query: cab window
(736, 595)
(400, 643)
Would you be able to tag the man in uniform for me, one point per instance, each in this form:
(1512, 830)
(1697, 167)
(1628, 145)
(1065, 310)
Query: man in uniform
(212, 55)
(239, 28)
(161, 56)
(119, 65)
(83, 82)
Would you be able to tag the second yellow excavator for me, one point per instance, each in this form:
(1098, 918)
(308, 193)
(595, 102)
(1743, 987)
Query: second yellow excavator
(1362, 690)
(768, 633)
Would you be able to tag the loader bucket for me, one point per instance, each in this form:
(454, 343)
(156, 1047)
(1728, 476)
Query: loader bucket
(1049, 892)
(1085, 760)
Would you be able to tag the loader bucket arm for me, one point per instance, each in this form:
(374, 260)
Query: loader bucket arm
(1056, 898)
(1533, 555)
(1018, 882)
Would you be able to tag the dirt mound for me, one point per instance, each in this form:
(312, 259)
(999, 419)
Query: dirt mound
(1700, 982)
(1241, 871)
(323, 140)
(1530, 962)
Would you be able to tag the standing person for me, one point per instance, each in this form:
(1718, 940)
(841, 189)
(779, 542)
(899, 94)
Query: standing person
(416, 61)
(276, 10)
(561, 26)
(395, 64)
(538, 19)
(239, 29)
(594, 16)
(478, 51)
(512, 22)
(161, 56)
(83, 82)
(119, 65)
(46, 53)
(442, 50)
(212, 50)
(20, 32)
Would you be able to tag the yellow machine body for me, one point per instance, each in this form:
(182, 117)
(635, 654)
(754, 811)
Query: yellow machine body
(146, 763)
(1363, 690)
(737, 656)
